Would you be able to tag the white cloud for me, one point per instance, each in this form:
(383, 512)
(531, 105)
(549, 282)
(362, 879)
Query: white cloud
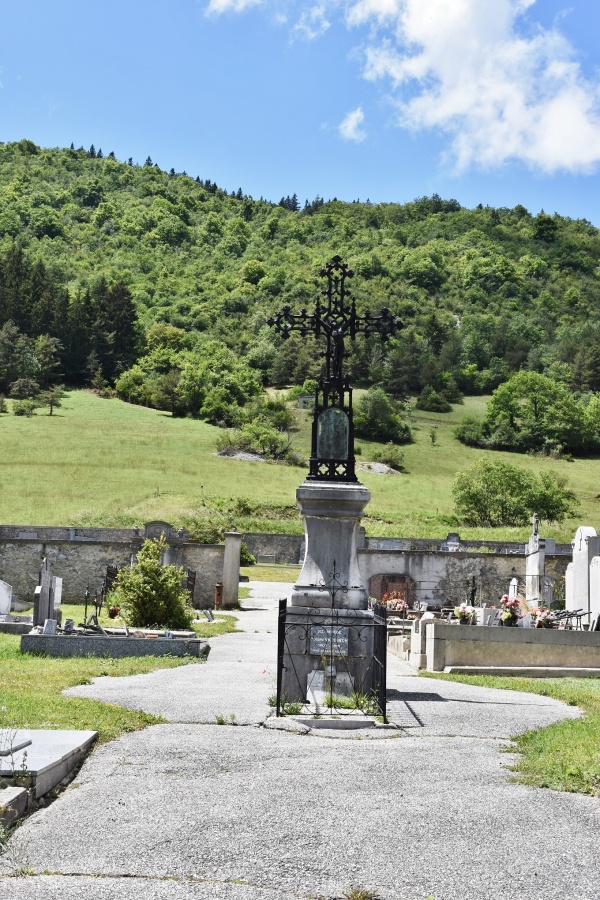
(462, 67)
(350, 128)
(218, 7)
(312, 23)
(499, 87)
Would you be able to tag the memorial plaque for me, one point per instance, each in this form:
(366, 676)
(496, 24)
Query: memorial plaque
(327, 640)
(332, 434)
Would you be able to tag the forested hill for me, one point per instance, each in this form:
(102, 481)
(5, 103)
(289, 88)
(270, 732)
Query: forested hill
(87, 240)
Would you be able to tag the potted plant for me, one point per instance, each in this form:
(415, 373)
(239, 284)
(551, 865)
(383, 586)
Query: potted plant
(511, 610)
(464, 613)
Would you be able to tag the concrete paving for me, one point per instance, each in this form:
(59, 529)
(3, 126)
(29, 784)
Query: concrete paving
(192, 810)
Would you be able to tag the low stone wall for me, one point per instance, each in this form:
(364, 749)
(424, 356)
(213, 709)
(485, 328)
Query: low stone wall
(80, 557)
(475, 645)
(283, 549)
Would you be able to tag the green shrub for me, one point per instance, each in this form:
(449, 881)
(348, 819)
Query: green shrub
(246, 558)
(430, 401)
(24, 407)
(150, 594)
(391, 456)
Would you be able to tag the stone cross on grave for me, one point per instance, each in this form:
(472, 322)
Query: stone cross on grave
(336, 318)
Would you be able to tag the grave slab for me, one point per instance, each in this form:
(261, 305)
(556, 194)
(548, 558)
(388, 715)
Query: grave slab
(49, 758)
(115, 647)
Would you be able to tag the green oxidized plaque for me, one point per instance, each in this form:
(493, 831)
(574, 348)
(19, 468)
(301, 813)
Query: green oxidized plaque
(332, 434)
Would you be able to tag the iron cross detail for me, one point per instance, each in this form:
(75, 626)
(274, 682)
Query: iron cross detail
(336, 319)
(332, 450)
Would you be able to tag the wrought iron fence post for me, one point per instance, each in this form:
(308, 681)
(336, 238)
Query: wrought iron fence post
(280, 650)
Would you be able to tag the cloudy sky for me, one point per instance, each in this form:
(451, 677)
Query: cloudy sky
(488, 101)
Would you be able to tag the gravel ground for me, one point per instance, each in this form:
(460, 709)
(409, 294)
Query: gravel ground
(194, 810)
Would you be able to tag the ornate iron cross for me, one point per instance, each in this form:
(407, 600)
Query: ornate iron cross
(332, 452)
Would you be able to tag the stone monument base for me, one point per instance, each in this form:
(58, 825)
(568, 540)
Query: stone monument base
(325, 652)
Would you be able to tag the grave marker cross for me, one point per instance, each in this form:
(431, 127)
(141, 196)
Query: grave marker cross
(332, 451)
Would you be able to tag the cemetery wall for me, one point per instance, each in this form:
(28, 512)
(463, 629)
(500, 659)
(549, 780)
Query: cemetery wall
(80, 557)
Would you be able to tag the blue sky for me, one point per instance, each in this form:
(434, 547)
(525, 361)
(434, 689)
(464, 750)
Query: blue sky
(488, 101)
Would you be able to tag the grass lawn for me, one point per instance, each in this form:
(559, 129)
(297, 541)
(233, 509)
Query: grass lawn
(103, 462)
(31, 686)
(564, 756)
(272, 573)
(223, 623)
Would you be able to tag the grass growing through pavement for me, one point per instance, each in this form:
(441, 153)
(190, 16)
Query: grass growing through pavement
(564, 756)
(103, 462)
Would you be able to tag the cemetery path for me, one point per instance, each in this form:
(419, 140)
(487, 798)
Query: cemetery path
(193, 810)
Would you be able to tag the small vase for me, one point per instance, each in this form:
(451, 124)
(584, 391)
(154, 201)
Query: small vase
(510, 623)
(463, 622)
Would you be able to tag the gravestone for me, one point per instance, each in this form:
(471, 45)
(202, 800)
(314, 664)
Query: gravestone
(586, 546)
(41, 604)
(5, 598)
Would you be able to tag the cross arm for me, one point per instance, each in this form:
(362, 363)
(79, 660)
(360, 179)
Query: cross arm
(284, 322)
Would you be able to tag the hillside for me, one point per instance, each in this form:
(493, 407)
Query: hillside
(104, 462)
(482, 292)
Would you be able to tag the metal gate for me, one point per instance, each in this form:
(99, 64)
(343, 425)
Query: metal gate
(369, 677)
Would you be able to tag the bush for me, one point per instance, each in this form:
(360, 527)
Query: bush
(431, 401)
(391, 456)
(491, 494)
(149, 594)
(24, 407)
(246, 558)
(377, 419)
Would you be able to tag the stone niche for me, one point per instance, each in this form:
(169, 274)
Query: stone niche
(400, 584)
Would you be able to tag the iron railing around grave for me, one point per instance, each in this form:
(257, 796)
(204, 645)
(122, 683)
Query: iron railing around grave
(352, 643)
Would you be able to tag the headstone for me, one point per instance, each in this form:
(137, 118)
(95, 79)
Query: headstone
(56, 598)
(5, 598)
(513, 589)
(586, 546)
(595, 588)
(41, 606)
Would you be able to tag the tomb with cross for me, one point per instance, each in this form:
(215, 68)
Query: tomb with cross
(331, 500)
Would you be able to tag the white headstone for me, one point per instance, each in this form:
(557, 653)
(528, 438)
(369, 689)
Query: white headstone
(595, 587)
(585, 547)
(5, 598)
(513, 589)
(56, 594)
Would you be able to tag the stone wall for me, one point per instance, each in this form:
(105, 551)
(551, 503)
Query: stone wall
(283, 549)
(441, 578)
(80, 558)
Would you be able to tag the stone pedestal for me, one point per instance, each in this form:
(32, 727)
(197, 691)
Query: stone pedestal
(327, 638)
(332, 515)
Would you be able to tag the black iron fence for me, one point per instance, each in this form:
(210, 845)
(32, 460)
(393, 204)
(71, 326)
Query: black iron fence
(331, 661)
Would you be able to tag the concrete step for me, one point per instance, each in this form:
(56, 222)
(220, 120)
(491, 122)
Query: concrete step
(525, 671)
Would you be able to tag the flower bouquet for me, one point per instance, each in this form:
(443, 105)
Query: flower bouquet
(545, 618)
(464, 613)
(394, 600)
(511, 610)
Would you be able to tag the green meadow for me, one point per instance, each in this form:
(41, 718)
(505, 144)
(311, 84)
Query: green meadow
(104, 462)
